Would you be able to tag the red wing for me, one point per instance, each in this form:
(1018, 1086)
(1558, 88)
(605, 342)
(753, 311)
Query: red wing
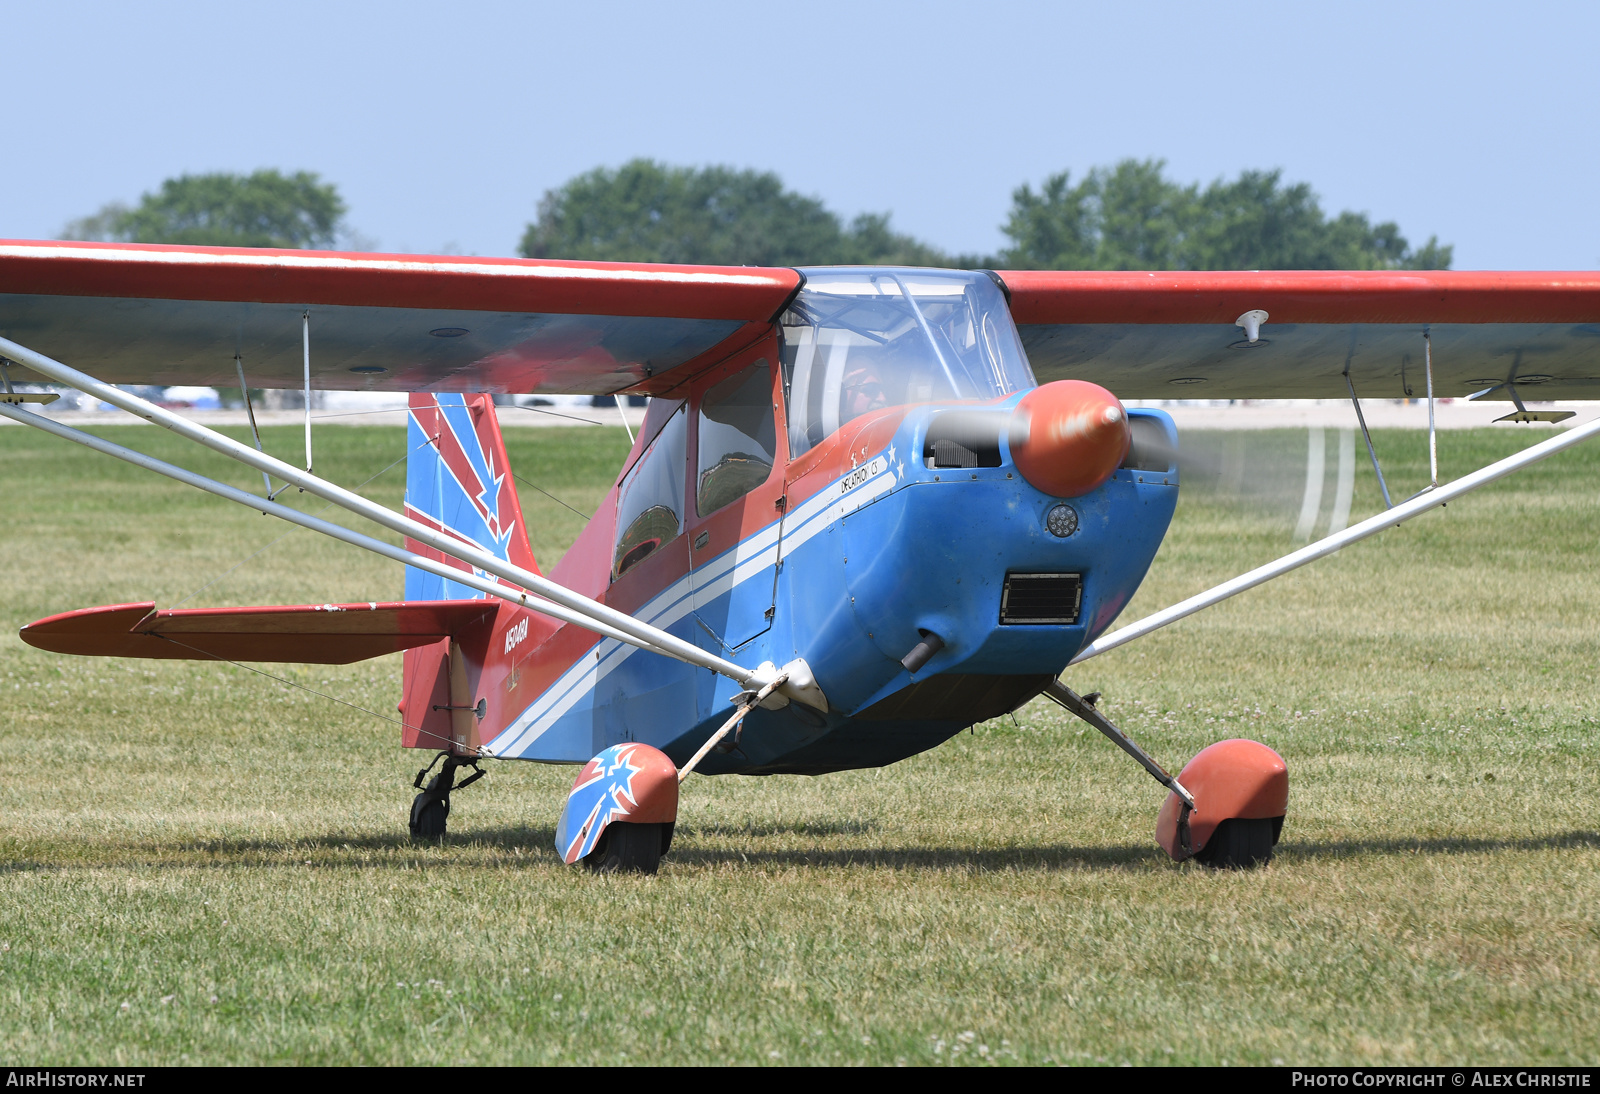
(177, 315)
(325, 634)
(128, 313)
(1172, 335)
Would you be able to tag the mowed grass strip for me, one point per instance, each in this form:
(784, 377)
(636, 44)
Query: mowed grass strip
(202, 865)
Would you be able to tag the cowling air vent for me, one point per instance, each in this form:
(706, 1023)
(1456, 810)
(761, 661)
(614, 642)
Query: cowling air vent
(1150, 450)
(1041, 598)
(964, 439)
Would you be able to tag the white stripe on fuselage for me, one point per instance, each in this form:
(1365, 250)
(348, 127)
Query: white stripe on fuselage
(747, 559)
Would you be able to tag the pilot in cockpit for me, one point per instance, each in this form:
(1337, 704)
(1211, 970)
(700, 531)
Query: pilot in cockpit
(861, 391)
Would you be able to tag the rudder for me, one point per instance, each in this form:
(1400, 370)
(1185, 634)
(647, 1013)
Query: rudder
(458, 481)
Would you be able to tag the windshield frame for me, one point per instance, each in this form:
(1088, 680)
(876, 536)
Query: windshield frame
(971, 350)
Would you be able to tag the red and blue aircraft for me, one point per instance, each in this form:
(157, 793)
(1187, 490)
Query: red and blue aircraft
(853, 523)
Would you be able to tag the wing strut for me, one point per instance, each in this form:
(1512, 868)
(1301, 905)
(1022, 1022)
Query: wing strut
(305, 345)
(1433, 436)
(250, 412)
(1373, 452)
(623, 410)
(582, 610)
(1412, 507)
(316, 524)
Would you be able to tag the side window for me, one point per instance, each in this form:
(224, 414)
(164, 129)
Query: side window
(738, 438)
(650, 502)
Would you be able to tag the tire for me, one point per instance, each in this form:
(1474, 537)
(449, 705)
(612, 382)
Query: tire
(429, 816)
(1240, 844)
(627, 849)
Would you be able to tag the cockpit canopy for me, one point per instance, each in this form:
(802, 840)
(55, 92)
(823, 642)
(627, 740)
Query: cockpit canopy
(857, 340)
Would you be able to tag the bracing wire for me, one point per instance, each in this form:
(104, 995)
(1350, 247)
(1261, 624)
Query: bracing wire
(302, 687)
(290, 532)
(324, 508)
(313, 691)
(558, 414)
(358, 413)
(548, 494)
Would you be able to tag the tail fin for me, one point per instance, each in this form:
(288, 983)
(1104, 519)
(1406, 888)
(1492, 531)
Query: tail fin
(459, 481)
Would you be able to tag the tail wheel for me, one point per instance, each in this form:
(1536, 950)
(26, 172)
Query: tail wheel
(430, 810)
(1240, 844)
(429, 815)
(628, 849)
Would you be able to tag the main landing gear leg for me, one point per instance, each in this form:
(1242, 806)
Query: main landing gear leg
(1242, 787)
(430, 811)
(1084, 708)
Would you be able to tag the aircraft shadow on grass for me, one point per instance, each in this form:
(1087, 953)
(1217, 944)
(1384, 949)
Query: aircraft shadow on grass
(1444, 845)
(235, 854)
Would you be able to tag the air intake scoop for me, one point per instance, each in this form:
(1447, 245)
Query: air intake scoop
(1074, 436)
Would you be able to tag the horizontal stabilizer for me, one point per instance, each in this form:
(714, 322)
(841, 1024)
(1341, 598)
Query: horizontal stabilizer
(312, 634)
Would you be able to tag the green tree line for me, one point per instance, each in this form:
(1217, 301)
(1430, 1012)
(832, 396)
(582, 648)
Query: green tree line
(644, 211)
(1129, 216)
(1132, 217)
(262, 209)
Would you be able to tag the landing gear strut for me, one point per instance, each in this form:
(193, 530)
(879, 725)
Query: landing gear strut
(1242, 787)
(1084, 707)
(430, 811)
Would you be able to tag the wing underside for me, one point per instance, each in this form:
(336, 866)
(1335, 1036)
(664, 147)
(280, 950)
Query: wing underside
(172, 315)
(183, 315)
(1175, 335)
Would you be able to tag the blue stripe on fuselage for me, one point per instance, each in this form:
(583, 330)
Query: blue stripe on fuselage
(573, 693)
(857, 576)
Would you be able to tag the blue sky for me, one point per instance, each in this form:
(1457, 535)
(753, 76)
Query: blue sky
(443, 124)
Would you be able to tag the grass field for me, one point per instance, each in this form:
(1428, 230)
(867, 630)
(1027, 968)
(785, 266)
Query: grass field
(199, 864)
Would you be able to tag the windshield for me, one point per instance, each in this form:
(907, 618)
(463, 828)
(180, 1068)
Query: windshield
(857, 340)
